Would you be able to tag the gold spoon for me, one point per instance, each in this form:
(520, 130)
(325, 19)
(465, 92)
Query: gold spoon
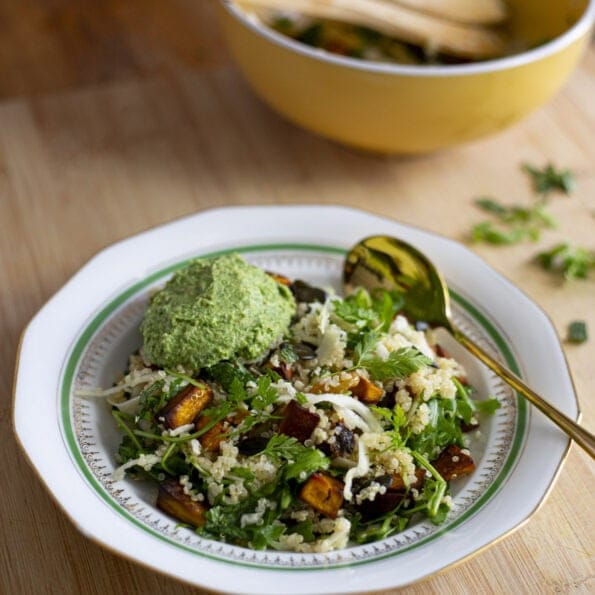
(384, 261)
(463, 40)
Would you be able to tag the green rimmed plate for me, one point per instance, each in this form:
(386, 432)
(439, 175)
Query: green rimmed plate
(83, 337)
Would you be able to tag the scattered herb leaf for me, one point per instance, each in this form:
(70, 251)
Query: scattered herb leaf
(577, 332)
(513, 223)
(400, 363)
(574, 262)
(548, 179)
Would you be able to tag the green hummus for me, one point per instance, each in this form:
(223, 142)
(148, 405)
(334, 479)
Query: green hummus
(215, 309)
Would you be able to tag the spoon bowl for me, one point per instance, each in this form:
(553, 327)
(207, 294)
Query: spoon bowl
(385, 261)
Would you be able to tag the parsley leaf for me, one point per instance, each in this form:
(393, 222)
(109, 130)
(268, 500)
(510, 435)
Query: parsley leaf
(548, 179)
(299, 458)
(397, 419)
(263, 396)
(514, 223)
(365, 346)
(235, 396)
(399, 364)
(309, 461)
(574, 262)
(364, 311)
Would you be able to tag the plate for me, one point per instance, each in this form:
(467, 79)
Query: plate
(83, 335)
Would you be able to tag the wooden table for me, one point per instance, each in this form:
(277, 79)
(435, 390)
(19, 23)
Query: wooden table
(119, 118)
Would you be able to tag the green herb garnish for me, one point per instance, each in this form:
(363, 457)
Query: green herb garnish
(398, 364)
(548, 179)
(574, 262)
(577, 332)
(513, 223)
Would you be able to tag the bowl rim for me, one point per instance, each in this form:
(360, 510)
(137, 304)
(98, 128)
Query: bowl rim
(580, 28)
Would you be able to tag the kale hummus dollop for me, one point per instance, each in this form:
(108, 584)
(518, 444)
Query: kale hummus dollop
(215, 309)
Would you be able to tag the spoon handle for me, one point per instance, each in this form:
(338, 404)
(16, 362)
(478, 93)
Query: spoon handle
(580, 435)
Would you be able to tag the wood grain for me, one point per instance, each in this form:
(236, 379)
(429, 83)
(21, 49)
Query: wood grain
(124, 117)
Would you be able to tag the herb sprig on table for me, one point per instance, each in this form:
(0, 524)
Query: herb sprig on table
(573, 262)
(550, 179)
(513, 224)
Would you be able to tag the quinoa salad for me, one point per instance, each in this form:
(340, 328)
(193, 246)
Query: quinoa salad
(348, 427)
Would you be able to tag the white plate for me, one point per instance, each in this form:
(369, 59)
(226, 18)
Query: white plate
(83, 335)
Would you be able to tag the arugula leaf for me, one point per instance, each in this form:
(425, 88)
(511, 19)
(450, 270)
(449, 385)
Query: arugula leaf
(434, 489)
(399, 364)
(305, 529)
(574, 262)
(380, 528)
(489, 406)
(466, 406)
(577, 332)
(548, 179)
(224, 521)
(443, 429)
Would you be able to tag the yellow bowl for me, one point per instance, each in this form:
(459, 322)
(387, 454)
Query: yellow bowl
(411, 109)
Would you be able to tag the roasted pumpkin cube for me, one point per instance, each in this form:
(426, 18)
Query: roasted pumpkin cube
(336, 385)
(359, 386)
(298, 422)
(397, 483)
(173, 501)
(282, 279)
(365, 390)
(186, 405)
(212, 438)
(453, 463)
(323, 493)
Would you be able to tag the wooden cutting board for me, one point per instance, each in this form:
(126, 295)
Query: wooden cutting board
(124, 117)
